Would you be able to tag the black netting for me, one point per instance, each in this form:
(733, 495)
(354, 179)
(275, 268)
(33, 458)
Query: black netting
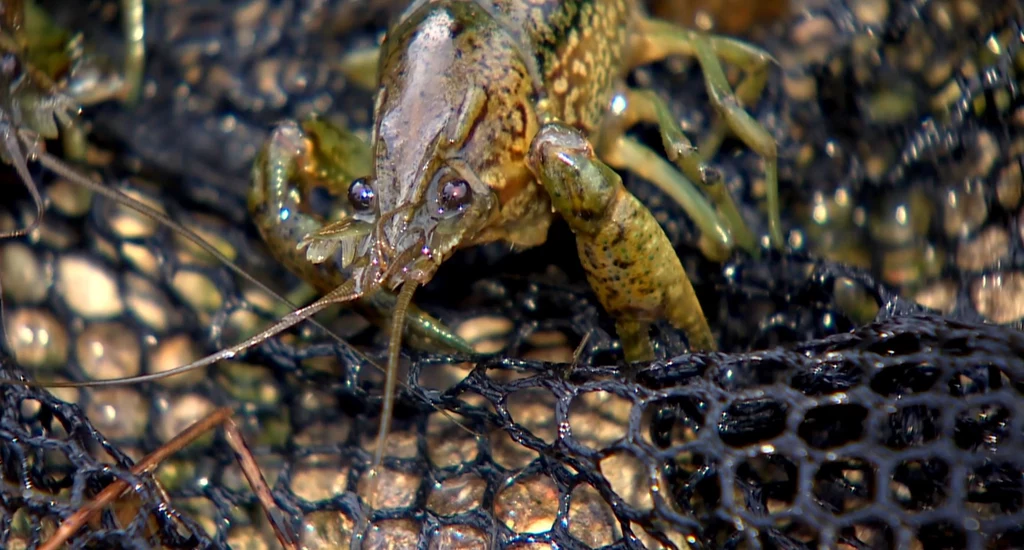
(842, 413)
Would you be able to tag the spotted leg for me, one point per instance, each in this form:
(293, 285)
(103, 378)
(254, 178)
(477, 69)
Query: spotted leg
(629, 261)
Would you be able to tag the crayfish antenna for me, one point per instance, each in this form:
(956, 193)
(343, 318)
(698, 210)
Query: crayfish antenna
(65, 171)
(343, 293)
(390, 380)
(17, 158)
(11, 151)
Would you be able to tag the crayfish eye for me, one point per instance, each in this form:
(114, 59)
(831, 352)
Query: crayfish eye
(361, 194)
(454, 195)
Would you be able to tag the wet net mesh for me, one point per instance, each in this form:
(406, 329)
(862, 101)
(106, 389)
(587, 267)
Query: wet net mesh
(842, 413)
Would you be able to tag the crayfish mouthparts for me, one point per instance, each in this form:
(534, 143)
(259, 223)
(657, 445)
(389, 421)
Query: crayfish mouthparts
(346, 237)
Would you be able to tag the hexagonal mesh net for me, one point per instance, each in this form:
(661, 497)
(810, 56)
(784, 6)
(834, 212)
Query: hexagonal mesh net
(868, 395)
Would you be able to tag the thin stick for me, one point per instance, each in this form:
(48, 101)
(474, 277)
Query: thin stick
(149, 463)
(285, 533)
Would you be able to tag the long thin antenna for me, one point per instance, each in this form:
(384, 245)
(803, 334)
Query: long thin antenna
(343, 293)
(67, 172)
(20, 163)
(394, 351)
(63, 170)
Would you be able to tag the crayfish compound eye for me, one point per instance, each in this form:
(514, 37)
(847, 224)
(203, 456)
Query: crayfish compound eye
(454, 195)
(361, 195)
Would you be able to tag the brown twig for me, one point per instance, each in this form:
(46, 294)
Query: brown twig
(284, 531)
(150, 462)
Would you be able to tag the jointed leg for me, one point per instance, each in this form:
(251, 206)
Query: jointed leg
(104, 83)
(748, 91)
(657, 40)
(134, 28)
(42, 34)
(636, 340)
(626, 153)
(645, 106)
